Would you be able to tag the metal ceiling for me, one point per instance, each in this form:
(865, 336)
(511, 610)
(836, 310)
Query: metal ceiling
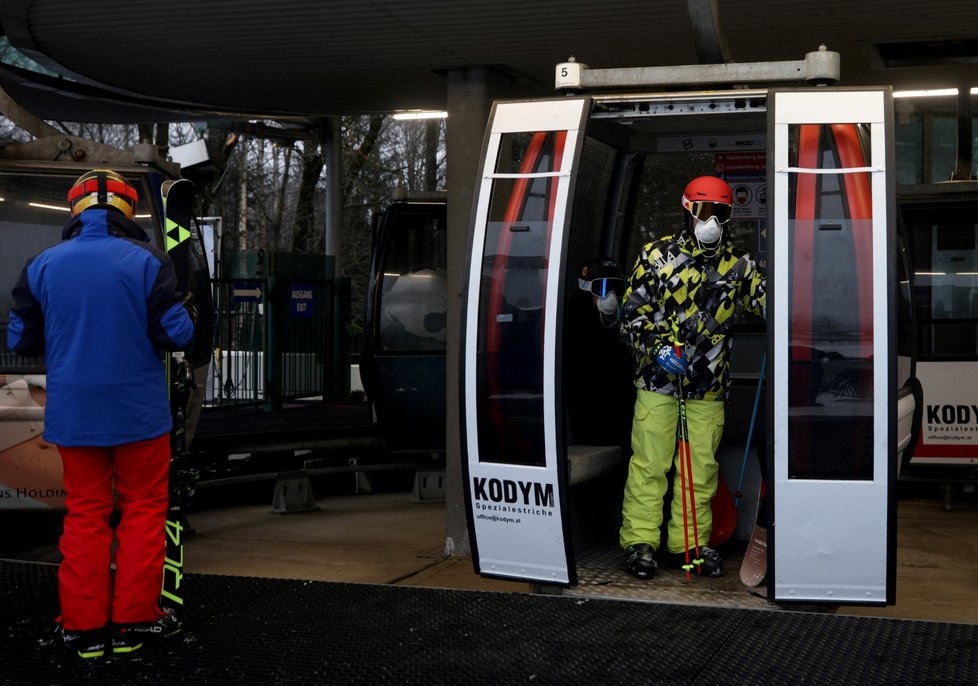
(316, 57)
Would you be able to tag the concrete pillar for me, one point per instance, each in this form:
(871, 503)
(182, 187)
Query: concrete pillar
(470, 96)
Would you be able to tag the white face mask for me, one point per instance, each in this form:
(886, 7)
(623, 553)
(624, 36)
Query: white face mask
(707, 233)
(608, 304)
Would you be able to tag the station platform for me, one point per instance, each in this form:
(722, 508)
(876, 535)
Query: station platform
(361, 590)
(275, 631)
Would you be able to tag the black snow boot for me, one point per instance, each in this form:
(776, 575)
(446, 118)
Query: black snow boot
(87, 644)
(127, 638)
(639, 561)
(709, 562)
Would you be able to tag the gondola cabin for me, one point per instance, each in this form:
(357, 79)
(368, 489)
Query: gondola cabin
(546, 380)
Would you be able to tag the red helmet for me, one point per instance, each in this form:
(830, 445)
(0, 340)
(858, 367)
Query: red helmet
(708, 196)
(102, 188)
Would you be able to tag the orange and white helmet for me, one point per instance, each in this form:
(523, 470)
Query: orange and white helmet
(708, 196)
(102, 188)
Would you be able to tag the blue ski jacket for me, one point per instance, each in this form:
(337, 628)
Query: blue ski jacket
(101, 306)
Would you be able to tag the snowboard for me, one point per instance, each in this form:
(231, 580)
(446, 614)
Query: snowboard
(737, 501)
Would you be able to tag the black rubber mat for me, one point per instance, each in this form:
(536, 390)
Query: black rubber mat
(258, 631)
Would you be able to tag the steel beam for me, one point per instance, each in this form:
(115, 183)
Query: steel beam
(819, 68)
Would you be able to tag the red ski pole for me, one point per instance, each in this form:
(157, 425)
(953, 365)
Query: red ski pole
(682, 481)
(686, 472)
(685, 462)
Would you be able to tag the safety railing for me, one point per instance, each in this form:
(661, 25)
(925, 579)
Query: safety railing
(237, 371)
(274, 340)
(278, 339)
(13, 364)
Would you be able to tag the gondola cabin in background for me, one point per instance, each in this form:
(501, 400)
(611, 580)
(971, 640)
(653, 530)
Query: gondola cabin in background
(402, 362)
(941, 224)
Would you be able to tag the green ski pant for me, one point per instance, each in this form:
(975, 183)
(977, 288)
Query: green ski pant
(654, 451)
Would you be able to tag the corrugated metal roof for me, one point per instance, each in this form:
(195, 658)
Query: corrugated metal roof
(318, 57)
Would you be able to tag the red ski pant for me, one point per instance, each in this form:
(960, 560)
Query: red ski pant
(89, 596)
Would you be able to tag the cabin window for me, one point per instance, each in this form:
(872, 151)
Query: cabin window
(945, 238)
(414, 289)
(830, 231)
(512, 298)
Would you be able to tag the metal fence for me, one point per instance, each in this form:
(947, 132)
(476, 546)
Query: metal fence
(278, 339)
(274, 340)
(11, 363)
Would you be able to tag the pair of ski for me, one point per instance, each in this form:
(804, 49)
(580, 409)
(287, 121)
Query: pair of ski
(177, 215)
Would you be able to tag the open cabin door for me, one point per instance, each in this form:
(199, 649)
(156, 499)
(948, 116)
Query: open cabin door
(514, 455)
(833, 346)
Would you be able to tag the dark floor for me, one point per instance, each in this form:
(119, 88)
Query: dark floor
(242, 630)
(360, 590)
(389, 537)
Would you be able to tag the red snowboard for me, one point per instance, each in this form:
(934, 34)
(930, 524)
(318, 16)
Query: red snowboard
(724, 514)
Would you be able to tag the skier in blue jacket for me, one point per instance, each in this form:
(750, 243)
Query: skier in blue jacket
(102, 306)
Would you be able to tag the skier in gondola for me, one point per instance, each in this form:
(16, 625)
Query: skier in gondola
(676, 315)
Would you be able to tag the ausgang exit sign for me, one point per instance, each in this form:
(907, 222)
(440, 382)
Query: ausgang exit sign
(302, 301)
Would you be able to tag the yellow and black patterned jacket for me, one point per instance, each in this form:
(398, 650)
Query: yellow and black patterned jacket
(679, 293)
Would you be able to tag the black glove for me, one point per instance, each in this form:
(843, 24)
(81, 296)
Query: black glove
(190, 305)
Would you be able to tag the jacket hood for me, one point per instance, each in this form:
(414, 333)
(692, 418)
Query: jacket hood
(111, 221)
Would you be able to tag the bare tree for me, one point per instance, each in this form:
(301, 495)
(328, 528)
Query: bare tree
(270, 189)
(307, 235)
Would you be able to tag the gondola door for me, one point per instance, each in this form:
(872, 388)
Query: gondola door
(514, 456)
(833, 399)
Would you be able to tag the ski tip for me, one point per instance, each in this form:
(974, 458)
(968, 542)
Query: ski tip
(753, 570)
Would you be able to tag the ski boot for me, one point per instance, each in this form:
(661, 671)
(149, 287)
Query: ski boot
(711, 564)
(639, 561)
(87, 644)
(129, 637)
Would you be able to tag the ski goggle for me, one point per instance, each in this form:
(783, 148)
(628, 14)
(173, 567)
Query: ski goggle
(602, 287)
(704, 209)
